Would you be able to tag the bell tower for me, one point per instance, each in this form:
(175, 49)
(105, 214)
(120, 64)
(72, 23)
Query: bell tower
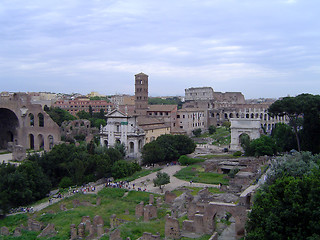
(141, 94)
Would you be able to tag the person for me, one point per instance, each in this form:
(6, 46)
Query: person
(190, 182)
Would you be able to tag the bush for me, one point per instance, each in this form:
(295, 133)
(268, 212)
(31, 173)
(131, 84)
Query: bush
(184, 160)
(65, 182)
(212, 129)
(237, 154)
(197, 132)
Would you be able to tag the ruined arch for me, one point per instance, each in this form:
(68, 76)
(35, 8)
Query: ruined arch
(31, 119)
(40, 141)
(50, 141)
(8, 127)
(251, 127)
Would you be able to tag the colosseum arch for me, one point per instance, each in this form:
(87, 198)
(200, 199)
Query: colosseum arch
(251, 127)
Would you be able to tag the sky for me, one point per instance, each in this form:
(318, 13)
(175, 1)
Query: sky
(262, 48)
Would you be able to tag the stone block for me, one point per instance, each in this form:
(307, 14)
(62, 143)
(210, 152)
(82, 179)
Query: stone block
(169, 197)
(140, 209)
(115, 235)
(97, 220)
(172, 228)
(73, 232)
(17, 232)
(188, 225)
(34, 225)
(81, 230)
(48, 231)
(151, 199)
(150, 212)
(4, 231)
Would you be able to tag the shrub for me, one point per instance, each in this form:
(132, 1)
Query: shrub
(237, 154)
(65, 182)
(197, 132)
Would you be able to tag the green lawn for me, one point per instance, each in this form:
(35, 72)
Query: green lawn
(136, 175)
(196, 174)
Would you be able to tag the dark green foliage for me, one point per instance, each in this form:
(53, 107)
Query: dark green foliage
(161, 179)
(167, 148)
(233, 172)
(284, 137)
(237, 154)
(167, 101)
(83, 115)
(184, 160)
(303, 108)
(21, 185)
(287, 209)
(261, 146)
(122, 168)
(59, 115)
(212, 129)
(197, 132)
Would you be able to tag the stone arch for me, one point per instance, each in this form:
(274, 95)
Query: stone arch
(231, 115)
(106, 143)
(40, 141)
(251, 127)
(247, 115)
(252, 115)
(41, 120)
(9, 123)
(226, 115)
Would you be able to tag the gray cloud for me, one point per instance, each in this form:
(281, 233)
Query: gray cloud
(262, 48)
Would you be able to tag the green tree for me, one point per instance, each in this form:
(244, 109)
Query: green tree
(90, 111)
(212, 129)
(83, 115)
(262, 146)
(227, 125)
(59, 115)
(152, 153)
(284, 137)
(161, 179)
(287, 209)
(197, 132)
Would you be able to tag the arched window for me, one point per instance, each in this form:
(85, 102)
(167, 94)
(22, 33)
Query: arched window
(31, 141)
(31, 119)
(252, 115)
(131, 147)
(41, 142)
(231, 115)
(226, 115)
(51, 141)
(247, 115)
(41, 120)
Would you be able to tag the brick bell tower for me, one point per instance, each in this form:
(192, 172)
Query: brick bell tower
(141, 94)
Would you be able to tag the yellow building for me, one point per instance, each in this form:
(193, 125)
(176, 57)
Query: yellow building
(153, 128)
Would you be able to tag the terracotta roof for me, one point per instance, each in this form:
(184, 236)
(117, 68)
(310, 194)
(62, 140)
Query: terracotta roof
(148, 121)
(159, 108)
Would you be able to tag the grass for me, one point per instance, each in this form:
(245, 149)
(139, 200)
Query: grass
(222, 136)
(196, 174)
(139, 174)
(5, 152)
(113, 201)
(195, 190)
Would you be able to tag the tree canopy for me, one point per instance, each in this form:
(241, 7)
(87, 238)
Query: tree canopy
(167, 148)
(287, 206)
(303, 108)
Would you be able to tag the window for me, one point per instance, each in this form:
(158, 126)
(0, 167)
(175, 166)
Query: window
(41, 120)
(31, 119)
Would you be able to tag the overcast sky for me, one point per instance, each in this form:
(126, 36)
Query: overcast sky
(262, 48)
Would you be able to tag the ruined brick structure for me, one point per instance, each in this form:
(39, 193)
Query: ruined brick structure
(26, 124)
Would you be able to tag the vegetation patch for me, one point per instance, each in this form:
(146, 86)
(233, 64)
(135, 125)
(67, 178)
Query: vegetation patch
(195, 173)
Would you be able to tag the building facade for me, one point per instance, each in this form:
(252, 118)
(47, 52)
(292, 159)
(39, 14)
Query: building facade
(83, 104)
(122, 128)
